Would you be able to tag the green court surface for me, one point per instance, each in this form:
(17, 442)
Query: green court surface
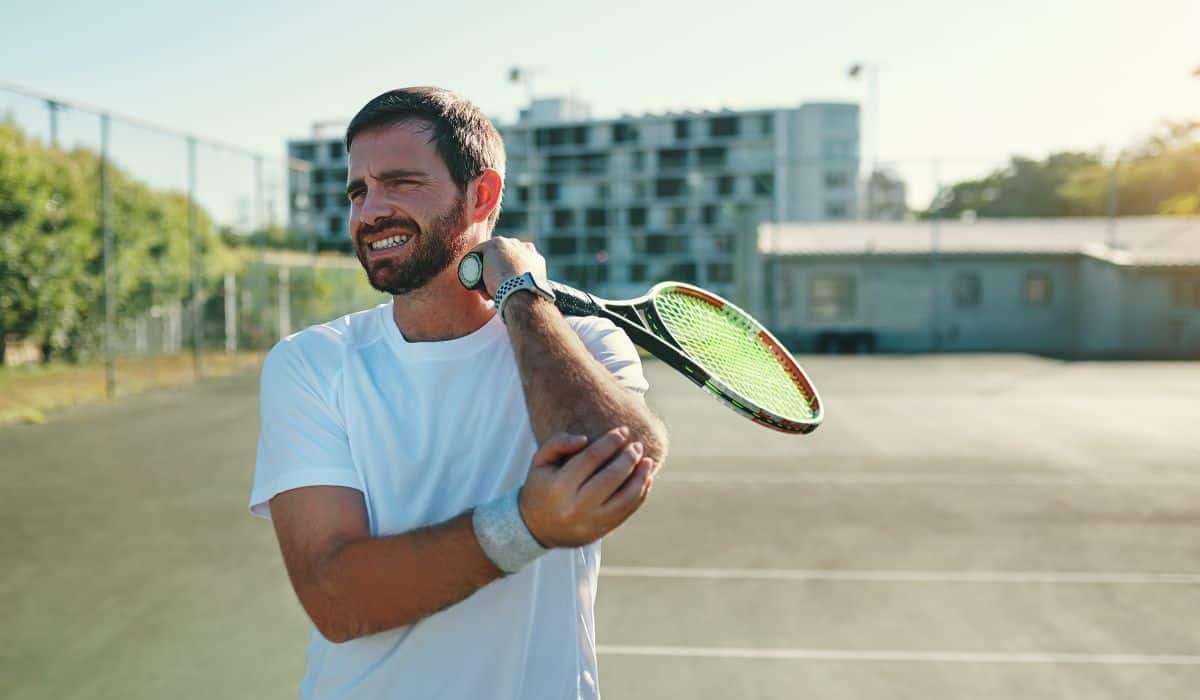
(961, 526)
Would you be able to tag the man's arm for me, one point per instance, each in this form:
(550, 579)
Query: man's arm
(566, 388)
(352, 585)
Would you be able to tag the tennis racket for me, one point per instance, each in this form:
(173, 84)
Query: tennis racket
(707, 339)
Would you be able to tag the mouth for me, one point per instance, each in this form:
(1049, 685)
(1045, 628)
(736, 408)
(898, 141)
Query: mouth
(388, 245)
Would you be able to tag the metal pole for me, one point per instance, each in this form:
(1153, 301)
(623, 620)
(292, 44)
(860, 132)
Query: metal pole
(231, 333)
(1113, 186)
(54, 107)
(197, 287)
(110, 368)
(934, 265)
(285, 303)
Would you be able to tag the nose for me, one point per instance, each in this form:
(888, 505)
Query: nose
(374, 208)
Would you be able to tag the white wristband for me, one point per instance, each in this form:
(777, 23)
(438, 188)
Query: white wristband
(502, 533)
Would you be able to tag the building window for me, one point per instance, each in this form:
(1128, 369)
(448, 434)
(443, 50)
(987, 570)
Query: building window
(836, 210)
(336, 225)
(564, 218)
(304, 151)
(637, 272)
(726, 184)
(668, 187)
(602, 192)
(561, 245)
(522, 194)
(720, 272)
(712, 156)
(676, 216)
(764, 183)
(683, 129)
(596, 217)
(723, 126)
(1185, 293)
(708, 214)
(637, 217)
(659, 243)
(593, 163)
(672, 158)
(1037, 290)
(550, 192)
(724, 242)
(766, 123)
(512, 219)
(638, 160)
(596, 244)
(318, 201)
(832, 297)
(336, 151)
(838, 149)
(968, 290)
(836, 179)
(683, 272)
(624, 133)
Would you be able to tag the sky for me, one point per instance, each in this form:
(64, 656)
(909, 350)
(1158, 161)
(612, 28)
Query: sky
(965, 83)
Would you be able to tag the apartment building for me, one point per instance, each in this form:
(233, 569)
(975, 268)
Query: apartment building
(616, 204)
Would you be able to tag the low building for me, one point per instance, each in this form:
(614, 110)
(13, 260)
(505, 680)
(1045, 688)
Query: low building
(1075, 287)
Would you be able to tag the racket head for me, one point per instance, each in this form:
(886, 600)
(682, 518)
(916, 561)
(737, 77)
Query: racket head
(749, 369)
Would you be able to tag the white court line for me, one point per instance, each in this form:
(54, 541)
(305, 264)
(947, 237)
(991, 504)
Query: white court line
(918, 478)
(901, 576)
(896, 655)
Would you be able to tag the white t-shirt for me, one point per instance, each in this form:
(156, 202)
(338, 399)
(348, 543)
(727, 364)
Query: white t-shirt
(427, 431)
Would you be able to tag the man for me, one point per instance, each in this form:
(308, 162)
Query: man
(439, 469)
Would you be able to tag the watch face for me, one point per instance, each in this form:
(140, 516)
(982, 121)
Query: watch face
(470, 271)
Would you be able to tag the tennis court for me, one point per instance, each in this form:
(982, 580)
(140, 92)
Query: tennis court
(980, 526)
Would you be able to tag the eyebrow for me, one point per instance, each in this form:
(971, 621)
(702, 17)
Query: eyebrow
(359, 182)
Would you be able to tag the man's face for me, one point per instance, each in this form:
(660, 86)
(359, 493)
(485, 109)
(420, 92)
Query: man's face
(407, 217)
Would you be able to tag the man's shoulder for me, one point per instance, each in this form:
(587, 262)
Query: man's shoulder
(322, 348)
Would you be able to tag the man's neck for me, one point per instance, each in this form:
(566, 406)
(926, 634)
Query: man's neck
(441, 310)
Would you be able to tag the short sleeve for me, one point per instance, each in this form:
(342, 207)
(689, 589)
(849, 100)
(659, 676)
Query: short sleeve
(614, 350)
(302, 438)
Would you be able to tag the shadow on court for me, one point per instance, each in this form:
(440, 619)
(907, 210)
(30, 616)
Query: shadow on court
(983, 526)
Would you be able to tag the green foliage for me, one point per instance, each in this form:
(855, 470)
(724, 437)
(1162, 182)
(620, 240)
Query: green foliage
(51, 246)
(1159, 176)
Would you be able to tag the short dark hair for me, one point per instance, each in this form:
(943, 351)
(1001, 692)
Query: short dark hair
(464, 137)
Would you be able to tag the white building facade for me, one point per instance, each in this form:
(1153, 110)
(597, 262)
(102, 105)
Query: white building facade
(617, 204)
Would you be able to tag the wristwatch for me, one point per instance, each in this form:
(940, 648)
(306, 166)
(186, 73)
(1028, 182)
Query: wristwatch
(537, 284)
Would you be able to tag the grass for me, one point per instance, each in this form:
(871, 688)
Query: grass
(30, 394)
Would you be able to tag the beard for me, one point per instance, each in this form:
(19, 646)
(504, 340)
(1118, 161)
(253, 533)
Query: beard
(432, 250)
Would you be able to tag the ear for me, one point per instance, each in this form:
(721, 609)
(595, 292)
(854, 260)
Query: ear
(485, 195)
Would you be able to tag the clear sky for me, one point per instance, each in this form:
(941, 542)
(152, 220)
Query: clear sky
(967, 81)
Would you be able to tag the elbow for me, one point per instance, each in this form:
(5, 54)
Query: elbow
(656, 440)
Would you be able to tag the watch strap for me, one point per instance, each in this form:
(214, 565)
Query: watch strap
(517, 283)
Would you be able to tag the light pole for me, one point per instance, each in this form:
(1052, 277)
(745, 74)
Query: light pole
(518, 74)
(871, 73)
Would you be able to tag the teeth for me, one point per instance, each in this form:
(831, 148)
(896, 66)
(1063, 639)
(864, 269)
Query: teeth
(389, 242)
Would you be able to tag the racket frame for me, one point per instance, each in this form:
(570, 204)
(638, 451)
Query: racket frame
(640, 320)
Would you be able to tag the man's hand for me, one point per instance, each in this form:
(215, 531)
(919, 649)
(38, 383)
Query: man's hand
(588, 496)
(508, 257)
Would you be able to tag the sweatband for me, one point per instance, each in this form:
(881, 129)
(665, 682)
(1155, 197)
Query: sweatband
(502, 533)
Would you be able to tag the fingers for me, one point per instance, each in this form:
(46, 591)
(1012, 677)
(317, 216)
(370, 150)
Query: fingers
(605, 481)
(599, 452)
(632, 493)
(558, 448)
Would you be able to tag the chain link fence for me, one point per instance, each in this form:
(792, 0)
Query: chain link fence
(153, 253)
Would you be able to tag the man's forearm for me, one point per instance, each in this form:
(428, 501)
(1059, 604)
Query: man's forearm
(376, 584)
(568, 390)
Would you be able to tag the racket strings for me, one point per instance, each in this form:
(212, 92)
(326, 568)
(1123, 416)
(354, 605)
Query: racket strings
(730, 347)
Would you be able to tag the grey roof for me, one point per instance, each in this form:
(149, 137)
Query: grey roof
(1150, 241)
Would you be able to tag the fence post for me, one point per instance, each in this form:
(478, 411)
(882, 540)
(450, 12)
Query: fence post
(231, 325)
(285, 303)
(110, 370)
(197, 286)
